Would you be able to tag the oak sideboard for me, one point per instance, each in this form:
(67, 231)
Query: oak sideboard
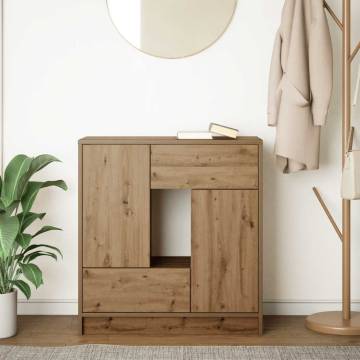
(122, 288)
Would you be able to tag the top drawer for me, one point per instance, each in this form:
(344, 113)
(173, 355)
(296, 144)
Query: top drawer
(204, 166)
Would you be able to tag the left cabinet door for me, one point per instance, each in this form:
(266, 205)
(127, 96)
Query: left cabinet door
(116, 205)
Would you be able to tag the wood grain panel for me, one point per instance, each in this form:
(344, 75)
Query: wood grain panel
(261, 181)
(136, 290)
(171, 314)
(204, 166)
(80, 241)
(171, 326)
(116, 206)
(166, 140)
(52, 330)
(224, 265)
(170, 261)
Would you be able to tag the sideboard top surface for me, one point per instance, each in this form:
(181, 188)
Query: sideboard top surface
(166, 140)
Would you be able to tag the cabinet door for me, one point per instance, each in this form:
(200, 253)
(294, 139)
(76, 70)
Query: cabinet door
(116, 206)
(224, 264)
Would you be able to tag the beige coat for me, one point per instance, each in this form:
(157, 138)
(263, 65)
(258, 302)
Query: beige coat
(300, 84)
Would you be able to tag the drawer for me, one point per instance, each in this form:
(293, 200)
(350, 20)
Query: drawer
(204, 166)
(136, 290)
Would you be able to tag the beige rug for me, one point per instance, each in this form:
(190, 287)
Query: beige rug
(115, 352)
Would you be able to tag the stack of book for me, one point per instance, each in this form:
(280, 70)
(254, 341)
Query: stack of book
(216, 131)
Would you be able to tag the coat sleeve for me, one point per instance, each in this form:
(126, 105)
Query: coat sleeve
(321, 67)
(276, 74)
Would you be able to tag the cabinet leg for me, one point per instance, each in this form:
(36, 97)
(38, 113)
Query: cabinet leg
(80, 325)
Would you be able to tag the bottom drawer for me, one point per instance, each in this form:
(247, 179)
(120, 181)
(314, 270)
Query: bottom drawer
(136, 290)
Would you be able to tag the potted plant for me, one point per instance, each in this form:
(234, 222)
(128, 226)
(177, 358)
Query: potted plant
(18, 253)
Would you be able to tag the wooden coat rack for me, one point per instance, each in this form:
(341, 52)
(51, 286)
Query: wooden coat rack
(343, 322)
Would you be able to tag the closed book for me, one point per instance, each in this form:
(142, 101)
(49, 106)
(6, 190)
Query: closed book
(223, 130)
(194, 135)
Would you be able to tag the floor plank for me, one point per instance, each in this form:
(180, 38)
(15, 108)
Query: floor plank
(62, 330)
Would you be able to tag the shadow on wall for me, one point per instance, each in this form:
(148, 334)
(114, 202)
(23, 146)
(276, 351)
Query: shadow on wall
(271, 242)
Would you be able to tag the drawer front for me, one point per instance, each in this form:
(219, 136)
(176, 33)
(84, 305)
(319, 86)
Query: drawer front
(204, 166)
(136, 290)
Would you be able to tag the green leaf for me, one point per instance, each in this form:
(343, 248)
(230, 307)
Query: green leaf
(10, 209)
(23, 240)
(9, 227)
(2, 206)
(39, 162)
(33, 189)
(32, 256)
(32, 273)
(46, 229)
(14, 184)
(19, 257)
(36, 246)
(28, 218)
(23, 287)
(58, 183)
(28, 198)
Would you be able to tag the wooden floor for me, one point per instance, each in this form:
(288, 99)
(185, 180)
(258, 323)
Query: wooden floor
(62, 330)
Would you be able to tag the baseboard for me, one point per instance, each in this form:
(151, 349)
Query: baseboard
(48, 307)
(304, 307)
(271, 307)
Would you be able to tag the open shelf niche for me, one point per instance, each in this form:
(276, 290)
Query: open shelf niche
(170, 228)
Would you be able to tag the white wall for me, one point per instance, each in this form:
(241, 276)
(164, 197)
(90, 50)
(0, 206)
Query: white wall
(69, 74)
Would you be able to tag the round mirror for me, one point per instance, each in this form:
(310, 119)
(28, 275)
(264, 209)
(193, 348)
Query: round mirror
(171, 28)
